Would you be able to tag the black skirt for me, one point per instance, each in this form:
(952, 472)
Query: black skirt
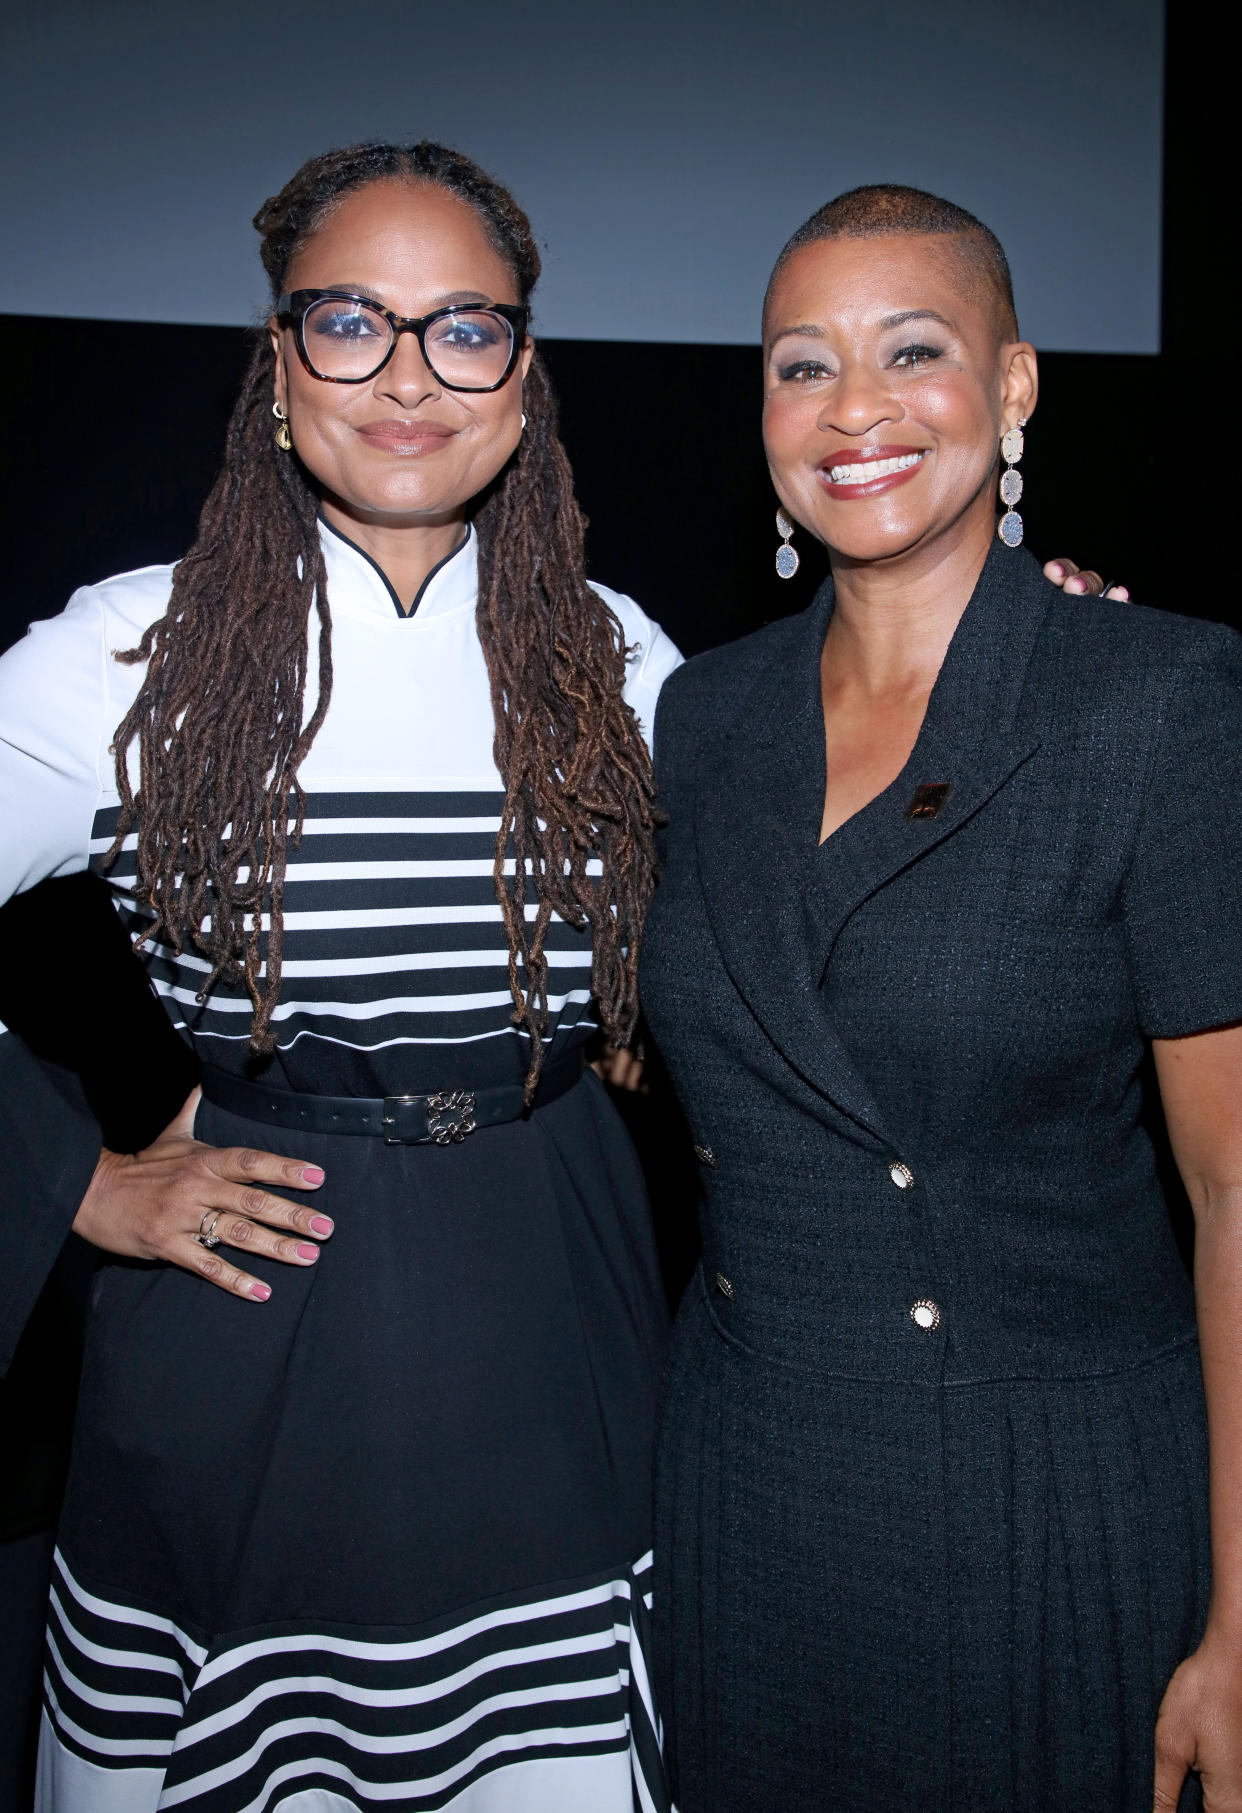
(383, 1540)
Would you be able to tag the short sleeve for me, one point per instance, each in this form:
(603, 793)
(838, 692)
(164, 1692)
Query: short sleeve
(1183, 891)
(652, 656)
(52, 700)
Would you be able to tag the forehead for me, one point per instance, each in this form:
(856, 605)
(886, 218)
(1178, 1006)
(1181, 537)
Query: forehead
(396, 238)
(854, 284)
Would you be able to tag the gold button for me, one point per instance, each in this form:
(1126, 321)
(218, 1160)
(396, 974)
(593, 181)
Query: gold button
(926, 1313)
(705, 1156)
(723, 1286)
(901, 1175)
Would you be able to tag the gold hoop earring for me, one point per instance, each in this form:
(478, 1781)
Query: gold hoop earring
(284, 440)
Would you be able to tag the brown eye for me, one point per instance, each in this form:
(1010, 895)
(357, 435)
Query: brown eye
(916, 355)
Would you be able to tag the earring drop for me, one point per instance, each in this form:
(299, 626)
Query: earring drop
(786, 557)
(1010, 526)
(284, 440)
(523, 418)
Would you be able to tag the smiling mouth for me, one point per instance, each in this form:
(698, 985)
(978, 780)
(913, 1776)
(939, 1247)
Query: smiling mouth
(863, 472)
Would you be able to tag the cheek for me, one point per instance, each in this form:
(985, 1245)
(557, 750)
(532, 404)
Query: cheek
(788, 423)
(955, 412)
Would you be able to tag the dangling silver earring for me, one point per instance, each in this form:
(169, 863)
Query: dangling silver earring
(284, 440)
(1010, 528)
(786, 557)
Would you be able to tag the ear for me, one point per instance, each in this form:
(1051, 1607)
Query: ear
(281, 388)
(1019, 382)
(528, 353)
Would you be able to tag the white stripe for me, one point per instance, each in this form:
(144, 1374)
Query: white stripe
(423, 960)
(614, 1732)
(405, 1038)
(414, 1649)
(237, 1710)
(488, 826)
(402, 827)
(367, 1010)
(117, 1658)
(393, 962)
(359, 918)
(105, 1746)
(441, 869)
(112, 1702)
(127, 1614)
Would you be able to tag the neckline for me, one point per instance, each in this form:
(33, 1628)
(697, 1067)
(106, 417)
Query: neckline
(377, 569)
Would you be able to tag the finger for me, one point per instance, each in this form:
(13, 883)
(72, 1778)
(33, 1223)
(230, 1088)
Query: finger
(243, 1164)
(1085, 583)
(210, 1266)
(239, 1231)
(1059, 570)
(275, 1211)
(184, 1121)
(1119, 591)
(1171, 1769)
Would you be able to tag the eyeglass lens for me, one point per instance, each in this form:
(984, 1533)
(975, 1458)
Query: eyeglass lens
(348, 339)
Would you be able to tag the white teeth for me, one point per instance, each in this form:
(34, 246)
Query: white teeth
(869, 469)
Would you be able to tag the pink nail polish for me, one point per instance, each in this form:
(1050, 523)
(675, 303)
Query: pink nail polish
(320, 1225)
(312, 1174)
(261, 1291)
(308, 1252)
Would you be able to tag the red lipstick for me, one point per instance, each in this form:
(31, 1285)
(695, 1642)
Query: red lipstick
(881, 456)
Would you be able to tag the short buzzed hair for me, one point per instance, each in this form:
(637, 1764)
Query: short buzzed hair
(879, 210)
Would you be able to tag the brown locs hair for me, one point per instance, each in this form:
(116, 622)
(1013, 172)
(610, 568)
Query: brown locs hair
(220, 719)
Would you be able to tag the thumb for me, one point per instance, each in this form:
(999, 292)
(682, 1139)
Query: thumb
(182, 1124)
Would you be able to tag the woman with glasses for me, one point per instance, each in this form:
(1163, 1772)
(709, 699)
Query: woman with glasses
(367, 1523)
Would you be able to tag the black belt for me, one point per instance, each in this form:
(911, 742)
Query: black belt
(439, 1119)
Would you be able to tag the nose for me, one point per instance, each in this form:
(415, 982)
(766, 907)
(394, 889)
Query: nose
(407, 378)
(861, 399)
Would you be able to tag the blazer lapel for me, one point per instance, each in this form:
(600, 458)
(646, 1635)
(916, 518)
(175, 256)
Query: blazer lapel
(971, 743)
(776, 901)
(756, 820)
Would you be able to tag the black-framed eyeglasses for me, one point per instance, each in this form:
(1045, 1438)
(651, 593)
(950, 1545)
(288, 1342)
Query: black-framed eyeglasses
(346, 339)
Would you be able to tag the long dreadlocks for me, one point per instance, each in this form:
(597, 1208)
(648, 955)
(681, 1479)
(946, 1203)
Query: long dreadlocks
(220, 718)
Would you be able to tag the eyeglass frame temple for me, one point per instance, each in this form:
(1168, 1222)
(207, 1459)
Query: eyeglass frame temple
(517, 316)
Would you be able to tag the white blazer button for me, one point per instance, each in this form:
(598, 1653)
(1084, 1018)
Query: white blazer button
(926, 1313)
(901, 1175)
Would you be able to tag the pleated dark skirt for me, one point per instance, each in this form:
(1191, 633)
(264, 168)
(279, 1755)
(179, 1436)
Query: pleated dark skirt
(384, 1538)
(968, 1599)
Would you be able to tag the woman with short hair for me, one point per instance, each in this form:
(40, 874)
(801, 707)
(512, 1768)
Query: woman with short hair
(948, 858)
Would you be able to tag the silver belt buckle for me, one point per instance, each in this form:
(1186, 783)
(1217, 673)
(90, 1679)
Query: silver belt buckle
(450, 1116)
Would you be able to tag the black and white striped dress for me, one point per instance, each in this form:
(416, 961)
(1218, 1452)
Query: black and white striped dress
(383, 1541)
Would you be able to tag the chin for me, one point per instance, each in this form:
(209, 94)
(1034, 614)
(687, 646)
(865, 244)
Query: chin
(865, 542)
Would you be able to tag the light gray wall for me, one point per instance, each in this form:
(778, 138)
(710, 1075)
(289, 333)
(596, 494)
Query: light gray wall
(664, 151)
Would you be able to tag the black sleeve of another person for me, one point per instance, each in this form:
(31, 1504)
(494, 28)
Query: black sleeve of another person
(90, 1058)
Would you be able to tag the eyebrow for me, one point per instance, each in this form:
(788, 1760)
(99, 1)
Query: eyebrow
(454, 298)
(810, 331)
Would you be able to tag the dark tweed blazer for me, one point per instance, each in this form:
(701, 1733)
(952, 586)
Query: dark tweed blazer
(932, 1517)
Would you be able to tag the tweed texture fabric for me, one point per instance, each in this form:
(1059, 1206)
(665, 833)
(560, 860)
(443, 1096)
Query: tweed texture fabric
(932, 1518)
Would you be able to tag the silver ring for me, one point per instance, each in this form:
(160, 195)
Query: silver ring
(207, 1236)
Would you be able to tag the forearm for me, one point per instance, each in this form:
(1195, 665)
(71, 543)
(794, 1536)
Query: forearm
(1218, 1295)
(49, 1142)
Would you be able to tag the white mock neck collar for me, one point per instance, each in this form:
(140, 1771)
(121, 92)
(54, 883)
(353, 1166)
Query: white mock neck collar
(359, 586)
